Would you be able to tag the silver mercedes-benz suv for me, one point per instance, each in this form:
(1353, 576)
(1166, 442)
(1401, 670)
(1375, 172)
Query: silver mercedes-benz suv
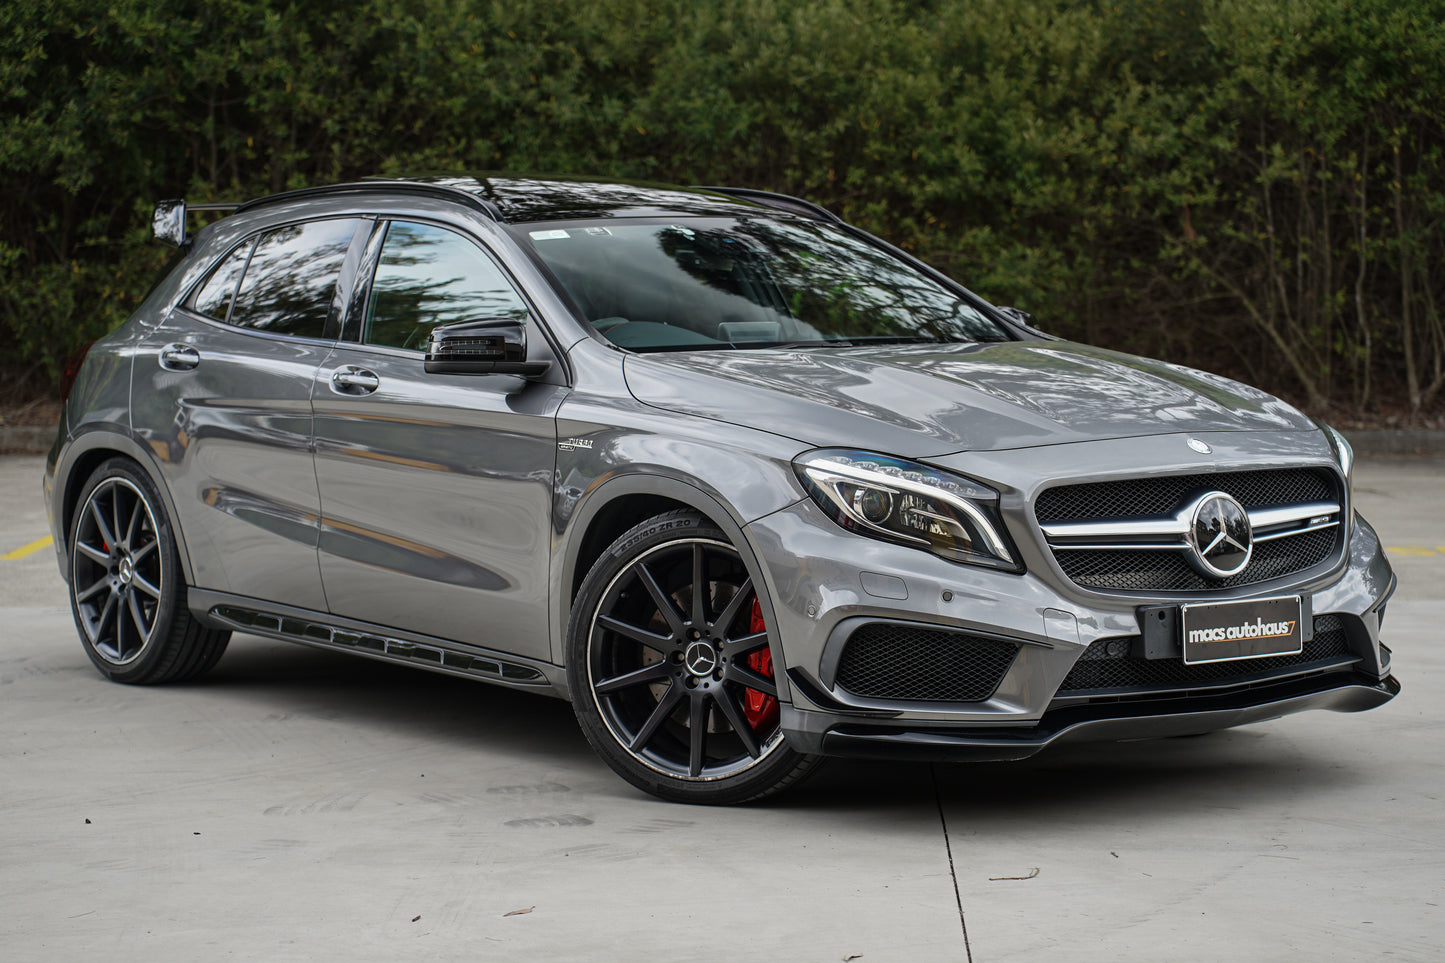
(747, 485)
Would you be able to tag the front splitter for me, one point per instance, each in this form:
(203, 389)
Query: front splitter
(829, 734)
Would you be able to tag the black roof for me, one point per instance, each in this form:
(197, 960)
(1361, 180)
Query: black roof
(519, 199)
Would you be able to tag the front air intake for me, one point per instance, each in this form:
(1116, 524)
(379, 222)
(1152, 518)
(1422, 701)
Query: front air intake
(909, 663)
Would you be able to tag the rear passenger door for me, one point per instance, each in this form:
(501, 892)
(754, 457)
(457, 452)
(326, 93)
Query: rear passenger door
(436, 490)
(224, 403)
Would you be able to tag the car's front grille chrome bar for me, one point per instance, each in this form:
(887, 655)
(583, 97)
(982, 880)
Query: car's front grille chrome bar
(1172, 532)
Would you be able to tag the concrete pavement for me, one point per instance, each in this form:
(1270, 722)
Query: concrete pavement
(300, 805)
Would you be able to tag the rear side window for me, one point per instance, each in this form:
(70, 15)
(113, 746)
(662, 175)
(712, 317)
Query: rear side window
(283, 281)
(289, 285)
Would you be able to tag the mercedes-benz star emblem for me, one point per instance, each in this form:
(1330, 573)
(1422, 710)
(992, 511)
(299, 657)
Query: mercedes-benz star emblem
(1220, 536)
(701, 659)
(1199, 446)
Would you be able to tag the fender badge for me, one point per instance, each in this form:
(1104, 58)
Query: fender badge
(1199, 446)
(572, 444)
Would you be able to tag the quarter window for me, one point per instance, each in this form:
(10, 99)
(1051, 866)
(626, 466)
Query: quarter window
(428, 276)
(214, 298)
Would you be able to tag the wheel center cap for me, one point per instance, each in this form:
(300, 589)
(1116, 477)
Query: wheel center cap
(125, 571)
(700, 659)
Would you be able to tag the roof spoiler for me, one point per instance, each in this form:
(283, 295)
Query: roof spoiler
(169, 222)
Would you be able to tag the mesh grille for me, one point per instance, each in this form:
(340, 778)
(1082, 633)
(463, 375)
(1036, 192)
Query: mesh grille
(1169, 572)
(1093, 672)
(883, 661)
(1161, 496)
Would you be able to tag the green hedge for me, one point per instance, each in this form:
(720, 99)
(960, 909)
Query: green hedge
(1251, 186)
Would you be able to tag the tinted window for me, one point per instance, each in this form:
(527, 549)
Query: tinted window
(428, 276)
(714, 283)
(214, 298)
(289, 284)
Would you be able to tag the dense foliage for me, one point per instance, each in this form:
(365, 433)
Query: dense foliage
(1251, 186)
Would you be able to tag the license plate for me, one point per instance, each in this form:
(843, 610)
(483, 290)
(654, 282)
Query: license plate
(1250, 629)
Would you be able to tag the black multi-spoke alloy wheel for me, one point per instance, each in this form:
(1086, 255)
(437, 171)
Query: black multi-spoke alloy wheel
(126, 589)
(671, 671)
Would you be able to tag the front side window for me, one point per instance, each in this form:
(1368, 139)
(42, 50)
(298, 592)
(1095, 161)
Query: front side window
(289, 285)
(427, 276)
(710, 283)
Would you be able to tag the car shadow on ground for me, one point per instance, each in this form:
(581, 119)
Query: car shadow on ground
(371, 694)
(1242, 767)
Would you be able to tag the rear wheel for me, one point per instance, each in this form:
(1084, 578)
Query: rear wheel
(126, 589)
(671, 670)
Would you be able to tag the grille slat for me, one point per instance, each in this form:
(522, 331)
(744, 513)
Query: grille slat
(1092, 673)
(902, 662)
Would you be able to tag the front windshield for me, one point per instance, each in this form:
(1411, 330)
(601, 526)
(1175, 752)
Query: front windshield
(700, 284)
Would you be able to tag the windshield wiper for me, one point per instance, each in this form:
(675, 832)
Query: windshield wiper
(911, 339)
(817, 343)
(814, 343)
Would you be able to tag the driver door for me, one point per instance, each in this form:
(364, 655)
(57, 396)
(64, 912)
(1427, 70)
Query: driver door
(436, 490)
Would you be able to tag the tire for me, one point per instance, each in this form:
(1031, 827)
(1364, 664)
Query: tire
(127, 592)
(673, 688)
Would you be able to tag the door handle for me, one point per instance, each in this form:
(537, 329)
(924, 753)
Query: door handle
(351, 380)
(179, 357)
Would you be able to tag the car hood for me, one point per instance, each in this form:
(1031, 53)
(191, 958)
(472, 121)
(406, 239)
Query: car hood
(921, 400)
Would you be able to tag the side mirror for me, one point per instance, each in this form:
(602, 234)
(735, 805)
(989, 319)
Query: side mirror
(494, 346)
(1022, 317)
(1025, 319)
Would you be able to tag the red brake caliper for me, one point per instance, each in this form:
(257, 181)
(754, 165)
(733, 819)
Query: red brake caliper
(760, 708)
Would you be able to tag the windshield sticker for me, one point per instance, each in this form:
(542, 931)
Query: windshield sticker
(599, 232)
(550, 235)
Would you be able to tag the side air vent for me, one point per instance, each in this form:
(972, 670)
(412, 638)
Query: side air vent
(428, 656)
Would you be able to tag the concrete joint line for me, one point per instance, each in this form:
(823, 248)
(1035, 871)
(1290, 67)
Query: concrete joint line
(952, 872)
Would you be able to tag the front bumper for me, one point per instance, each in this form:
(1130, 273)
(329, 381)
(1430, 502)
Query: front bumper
(824, 583)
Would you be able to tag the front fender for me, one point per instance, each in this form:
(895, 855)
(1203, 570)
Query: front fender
(660, 486)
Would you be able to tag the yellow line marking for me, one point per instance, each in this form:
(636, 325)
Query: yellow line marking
(25, 550)
(1415, 551)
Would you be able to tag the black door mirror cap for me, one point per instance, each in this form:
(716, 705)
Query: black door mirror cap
(1019, 315)
(1026, 321)
(527, 369)
(488, 346)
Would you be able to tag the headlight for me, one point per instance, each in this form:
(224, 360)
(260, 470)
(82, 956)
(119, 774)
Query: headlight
(908, 503)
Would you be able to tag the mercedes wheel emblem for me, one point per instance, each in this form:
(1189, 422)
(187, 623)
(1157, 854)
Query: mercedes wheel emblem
(1220, 536)
(701, 659)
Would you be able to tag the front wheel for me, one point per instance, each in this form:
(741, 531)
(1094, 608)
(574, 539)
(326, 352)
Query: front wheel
(126, 589)
(671, 671)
